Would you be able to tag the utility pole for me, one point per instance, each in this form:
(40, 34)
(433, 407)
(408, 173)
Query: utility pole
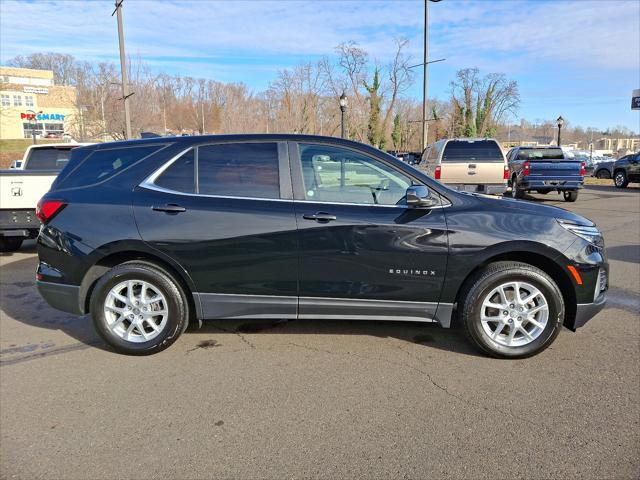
(202, 111)
(123, 69)
(425, 125)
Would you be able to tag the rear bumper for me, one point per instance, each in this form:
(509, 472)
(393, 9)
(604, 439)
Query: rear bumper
(19, 223)
(490, 188)
(60, 296)
(550, 183)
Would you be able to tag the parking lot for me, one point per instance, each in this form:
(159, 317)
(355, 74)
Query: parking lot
(325, 399)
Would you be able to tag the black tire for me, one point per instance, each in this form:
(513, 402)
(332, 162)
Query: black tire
(570, 196)
(10, 244)
(516, 191)
(483, 282)
(620, 179)
(603, 174)
(177, 307)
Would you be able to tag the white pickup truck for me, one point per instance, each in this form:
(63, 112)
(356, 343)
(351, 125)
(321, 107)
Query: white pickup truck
(21, 188)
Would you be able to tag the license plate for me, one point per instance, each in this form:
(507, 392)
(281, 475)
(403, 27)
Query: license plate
(469, 188)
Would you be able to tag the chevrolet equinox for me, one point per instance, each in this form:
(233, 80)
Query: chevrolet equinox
(150, 235)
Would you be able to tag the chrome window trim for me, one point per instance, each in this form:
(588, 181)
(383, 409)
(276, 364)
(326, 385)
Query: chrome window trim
(149, 183)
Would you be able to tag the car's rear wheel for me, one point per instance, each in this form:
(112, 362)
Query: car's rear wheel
(603, 174)
(511, 310)
(620, 179)
(139, 309)
(516, 191)
(570, 196)
(10, 244)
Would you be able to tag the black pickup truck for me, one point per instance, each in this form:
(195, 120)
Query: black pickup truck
(544, 169)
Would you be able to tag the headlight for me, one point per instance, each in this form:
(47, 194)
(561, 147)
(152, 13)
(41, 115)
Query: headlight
(590, 234)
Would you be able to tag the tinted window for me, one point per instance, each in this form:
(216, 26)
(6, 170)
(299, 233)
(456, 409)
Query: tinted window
(239, 169)
(541, 154)
(50, 158)
(472, 151)
(104, 164)
(180, 176)
(333, 174)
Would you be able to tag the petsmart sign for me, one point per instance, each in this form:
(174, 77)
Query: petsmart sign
(42, 116)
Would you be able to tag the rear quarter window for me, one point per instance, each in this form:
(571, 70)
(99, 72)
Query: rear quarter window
(104, 164)
(473, 151)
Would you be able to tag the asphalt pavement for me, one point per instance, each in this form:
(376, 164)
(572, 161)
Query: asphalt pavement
(325, 399)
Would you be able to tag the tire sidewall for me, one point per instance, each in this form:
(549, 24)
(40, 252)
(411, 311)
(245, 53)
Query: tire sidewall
(176, 307)
(623, 179)
(484, 287)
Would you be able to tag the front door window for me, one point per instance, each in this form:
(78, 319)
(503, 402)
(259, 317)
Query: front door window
(339, 175)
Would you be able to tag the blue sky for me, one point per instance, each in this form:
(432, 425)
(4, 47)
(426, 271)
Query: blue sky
(577, 58)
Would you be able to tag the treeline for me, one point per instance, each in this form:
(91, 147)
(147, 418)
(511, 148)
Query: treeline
(304, 99)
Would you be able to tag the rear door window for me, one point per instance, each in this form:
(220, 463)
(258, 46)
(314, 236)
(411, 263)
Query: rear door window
(49, 158)
(472, 151)
(104, 164)
(239, 170)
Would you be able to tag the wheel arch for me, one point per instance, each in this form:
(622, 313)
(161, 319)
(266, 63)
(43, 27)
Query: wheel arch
(105, 263)
(539, 260)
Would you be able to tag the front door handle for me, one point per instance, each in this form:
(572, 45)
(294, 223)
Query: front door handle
(169, 208)
(321, 217)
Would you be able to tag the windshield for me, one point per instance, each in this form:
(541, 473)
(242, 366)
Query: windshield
(541, 154)
(472, 151)
(49, 158)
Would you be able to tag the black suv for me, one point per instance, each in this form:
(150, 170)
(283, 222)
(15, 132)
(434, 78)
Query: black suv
(626, 170)
(150, 235)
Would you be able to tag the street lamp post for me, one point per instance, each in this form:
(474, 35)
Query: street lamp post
(560, 122)
(343, 109)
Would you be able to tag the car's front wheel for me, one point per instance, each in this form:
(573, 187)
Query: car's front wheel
(511, 310)
(139, 309)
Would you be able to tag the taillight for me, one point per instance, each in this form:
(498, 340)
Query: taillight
(438, 172)
(505, 175)
(47, 209)
(583, 169)
(526, 169)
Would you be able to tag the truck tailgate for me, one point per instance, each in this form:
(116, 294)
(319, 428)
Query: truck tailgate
(554, 168)
(22, 189)
(472, 172)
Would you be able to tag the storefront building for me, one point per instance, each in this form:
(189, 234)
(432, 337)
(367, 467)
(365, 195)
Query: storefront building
(30, 102)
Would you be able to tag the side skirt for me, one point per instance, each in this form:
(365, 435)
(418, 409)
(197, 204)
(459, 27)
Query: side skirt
(238, 306)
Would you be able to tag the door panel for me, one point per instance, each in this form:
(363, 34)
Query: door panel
(372, 252)
(227, 245)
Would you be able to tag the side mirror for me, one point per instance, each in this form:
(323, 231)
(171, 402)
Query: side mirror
(419, 196)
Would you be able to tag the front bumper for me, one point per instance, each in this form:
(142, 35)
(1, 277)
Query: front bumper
(60, 296)
(586, 311)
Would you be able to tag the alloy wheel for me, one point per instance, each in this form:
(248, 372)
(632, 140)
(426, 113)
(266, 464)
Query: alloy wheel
(136, 311)
(514, 314)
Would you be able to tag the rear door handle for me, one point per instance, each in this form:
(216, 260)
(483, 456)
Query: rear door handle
(321, 217)
(169, 208)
